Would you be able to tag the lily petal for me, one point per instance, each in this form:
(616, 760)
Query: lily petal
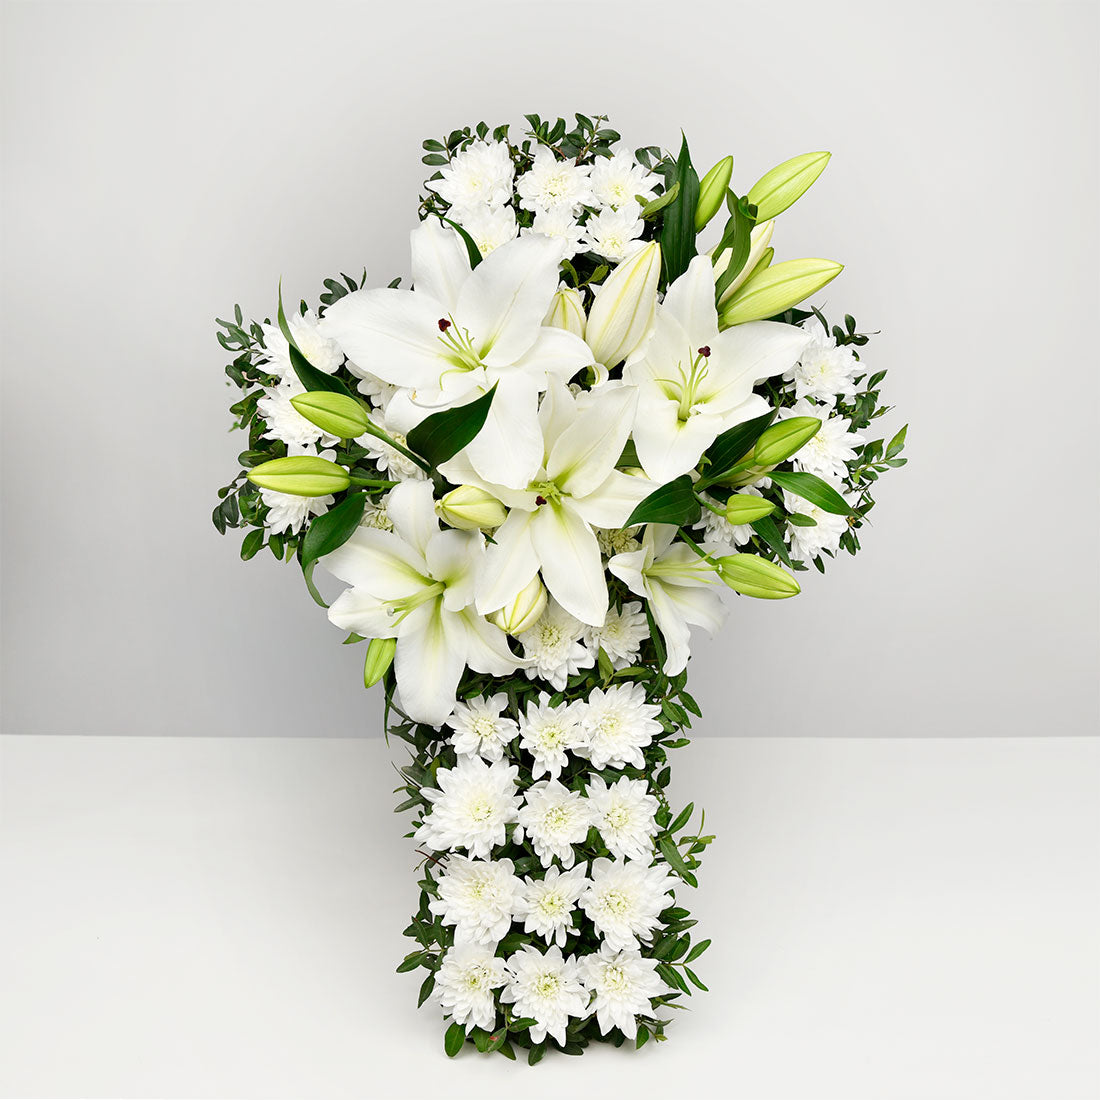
(486, 645)
(428, 667)
(759, 350)
(690, 300)
(503, 302)
(585, 453)
(555, 353)
(391, 333)
(668, 446)
(508, 449)
(356, 609)
(613, 501)
(509, 563)
(379, 563)
(570, 559)
(452, 557)
(411, 507)
(440, 263)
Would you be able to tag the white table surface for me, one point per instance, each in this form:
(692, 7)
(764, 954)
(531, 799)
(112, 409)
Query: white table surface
(221, 918)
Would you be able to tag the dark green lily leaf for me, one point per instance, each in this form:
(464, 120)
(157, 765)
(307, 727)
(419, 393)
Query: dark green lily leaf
(731, 446)
(333, 528)
(443, 434)
(672, 503)
(738, 238)
(768, 530)
(678, 223)
(810, 487)
(314, 379)
(471, 246)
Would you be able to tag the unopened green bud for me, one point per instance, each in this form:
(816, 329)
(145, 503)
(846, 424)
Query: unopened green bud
(760, 256)
(567, 311)
(469, 509)
(742, 508)
(785, 184)
(754, 576)
(335, 413)
(712, 192)
(778, 288)
(782, 440)
(380, 653)
(300, 476)
(623, 307)
(745, 476)
(524, 611)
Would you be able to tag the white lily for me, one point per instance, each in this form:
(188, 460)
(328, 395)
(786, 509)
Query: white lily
(417, 584)
(697, 382)
(678, 585)
(460, 332)
(576, 488)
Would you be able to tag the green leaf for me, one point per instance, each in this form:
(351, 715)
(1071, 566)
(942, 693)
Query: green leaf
(738, 238)
(678, 224)
(733, 445)
(333, 528)
(694, 979)
(767, 529)
(472, 249)
(252, 544)
(896, 444)
(443, 434)
(307, 576)
(660, 202)
(810, 487)
(682, 818)
(672, 503)
(314, 379)
(697, 950)
(534, 1055)
(284, 328)
(672, 854)
(454, 1040)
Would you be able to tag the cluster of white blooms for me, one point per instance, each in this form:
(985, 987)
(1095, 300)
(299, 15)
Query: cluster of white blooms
(582, 207)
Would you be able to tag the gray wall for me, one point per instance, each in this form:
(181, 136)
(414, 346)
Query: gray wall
(165, 161)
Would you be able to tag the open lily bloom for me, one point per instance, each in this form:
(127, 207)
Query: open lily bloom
(551, 519)
(697, 382)
(460, 332)
(417, 584)
(680, 588)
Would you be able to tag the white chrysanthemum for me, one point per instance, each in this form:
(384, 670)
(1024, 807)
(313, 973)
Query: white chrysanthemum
(388, 459)
(375, 389)
(824, 370)
(618, 182)
(479, 897)
(617, 540)
(623, 900)
(621, 635)
(561, 225)
(490, 227)
(619, 723)
(551, 183)
(321, 352)
(287, 512)
(832, 448)
(624, 983)
(624, 814)
(548, 903)
(811, 542)
(375, 514)
(546, 989)
(465, 981)
(480, 175)
(718, 530)
(471, 807)
(554, 818)
(480, 729)
(554, 648)
(547, 733)
(285, 422)
(613, 234)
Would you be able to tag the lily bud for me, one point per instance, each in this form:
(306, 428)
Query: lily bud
(380, 653)
(782, 440)
(623, 309)
(785, 184)
(759, 252)
(335, 413)
(712, 192)
(524, 611)
(743, 478)
(742, 508)
(300, 476)
(776, 289)
(754, 576)
(470, 509)
(567, 311)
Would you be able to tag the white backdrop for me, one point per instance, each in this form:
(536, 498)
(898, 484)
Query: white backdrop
(164, 161)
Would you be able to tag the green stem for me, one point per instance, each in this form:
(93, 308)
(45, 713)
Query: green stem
(713, 507)
(379, 434)
(367, 482)
(700, 551)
